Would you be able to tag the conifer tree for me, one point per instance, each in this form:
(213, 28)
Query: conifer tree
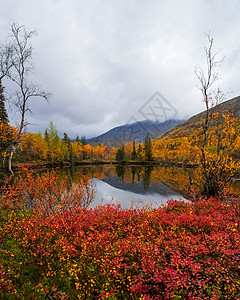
(83, 140)
(46, 137)
(53, 134)
(6, 131)
(64, 146)
(3, 112)
(52, 140)
(70, 152)
(139, 152)
(134, 153)
(120, 155)
(67, 148)
(77, 139)
(148, 148)
(47, 141)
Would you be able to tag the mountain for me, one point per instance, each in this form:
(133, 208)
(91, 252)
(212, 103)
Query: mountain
(135, 131)
(231, 106)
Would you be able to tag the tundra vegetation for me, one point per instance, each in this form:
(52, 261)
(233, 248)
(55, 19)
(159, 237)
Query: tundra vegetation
(52, 246)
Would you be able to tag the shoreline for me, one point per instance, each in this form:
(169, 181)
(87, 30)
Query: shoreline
(49, 165)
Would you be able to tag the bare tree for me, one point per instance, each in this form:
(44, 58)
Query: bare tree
(216, 170)
(18, 66)
(207, 78)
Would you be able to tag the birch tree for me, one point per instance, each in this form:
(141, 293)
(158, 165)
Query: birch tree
(18, 67)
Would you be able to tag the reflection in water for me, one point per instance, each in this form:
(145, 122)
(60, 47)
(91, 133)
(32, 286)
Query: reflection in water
(141, 183)
(106, 193)
(120, 171)
(126, 184)
(147, 177)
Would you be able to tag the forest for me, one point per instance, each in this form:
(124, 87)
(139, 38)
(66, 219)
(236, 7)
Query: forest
(35, 147)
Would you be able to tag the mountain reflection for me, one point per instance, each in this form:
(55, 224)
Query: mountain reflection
(140, 183)
(114, 191)
(125, 183)
(144, 184)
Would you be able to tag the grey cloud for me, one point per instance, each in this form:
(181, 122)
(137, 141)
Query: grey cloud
(102, 60)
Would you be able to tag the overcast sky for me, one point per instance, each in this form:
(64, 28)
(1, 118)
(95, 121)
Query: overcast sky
(103, 60)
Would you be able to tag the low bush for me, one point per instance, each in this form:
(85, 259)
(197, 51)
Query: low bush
(180, 251)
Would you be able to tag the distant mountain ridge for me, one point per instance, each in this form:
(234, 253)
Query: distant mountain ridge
(231, 106)
(136, 131)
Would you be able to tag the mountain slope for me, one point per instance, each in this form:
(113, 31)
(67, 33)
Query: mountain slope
(231, 106)
(136, 131)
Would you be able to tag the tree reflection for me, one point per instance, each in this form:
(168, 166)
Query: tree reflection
(147, 177)
(133, 172)
(120, 171)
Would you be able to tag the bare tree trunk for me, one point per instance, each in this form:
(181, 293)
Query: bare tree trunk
(13, 148)
(4, 159)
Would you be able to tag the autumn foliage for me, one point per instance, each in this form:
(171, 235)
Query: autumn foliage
(7, 135)
(46, 194)
(181, 251)
(53, 247)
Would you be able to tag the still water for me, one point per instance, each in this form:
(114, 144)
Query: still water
(107, 193)
(135, 186)
(139, 186)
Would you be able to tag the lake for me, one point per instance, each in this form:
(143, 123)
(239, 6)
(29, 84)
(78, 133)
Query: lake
(138, 185)
(135, 186)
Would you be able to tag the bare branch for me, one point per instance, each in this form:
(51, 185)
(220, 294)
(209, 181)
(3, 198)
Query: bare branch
(209, 76)
(6, 61)
(16, 64)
